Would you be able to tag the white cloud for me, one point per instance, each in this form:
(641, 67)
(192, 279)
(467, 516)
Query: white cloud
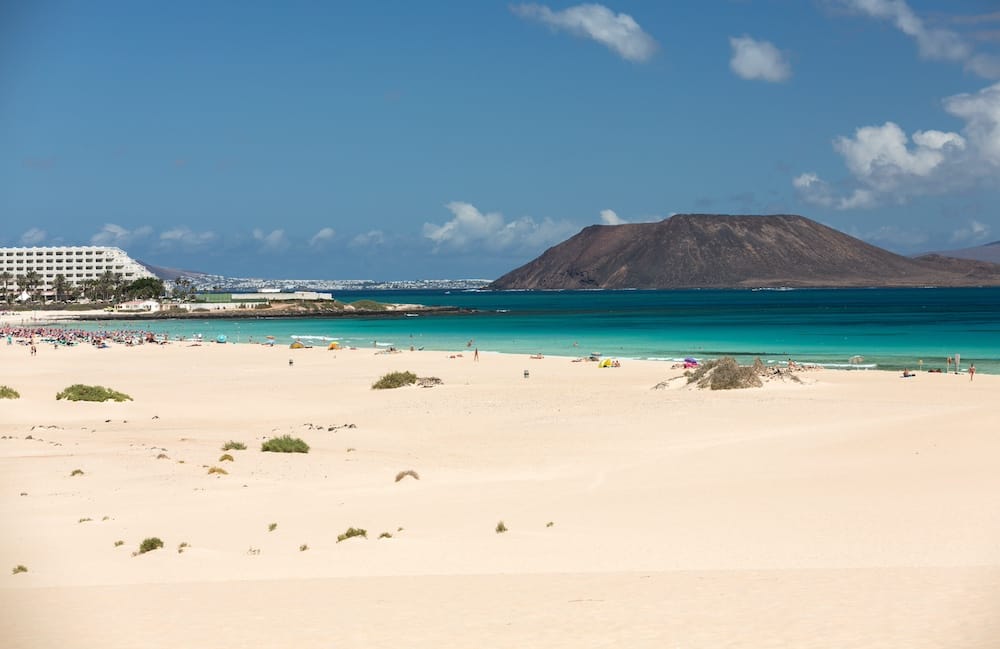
(112, 234)
(813, 189)
(608, 217)
(932, 43)
(273, 241)
(971, 233)
(981, 112)
(370, 238)
(619, 32)
(33, 237)
(758, 60)
(880, 156)
(185, 238)
(321, 238)
(886, 165)
(471, 229)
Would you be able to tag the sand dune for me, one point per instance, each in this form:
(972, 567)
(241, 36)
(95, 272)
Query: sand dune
(856, 510)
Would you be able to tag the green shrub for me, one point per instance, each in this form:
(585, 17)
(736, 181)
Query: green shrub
(85, 520)
(150, 544)
(18, 569)
(119, 543)
(234, 446)
(225, 457)
(272, 527)
(303, 547)
(76, 472)
(368, 305)
(351, 533)
(162, 456)
(549, 524)
(501, 528)
(402, 474)
(385, 535)
(8, 393)
(285, 444)
(217, 469)
(183, 546)
(395, 380)
(80, 392)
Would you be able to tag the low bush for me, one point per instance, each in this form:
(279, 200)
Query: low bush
(19, 569)
(385, 535)
(351, 533)
(726, 374)
(85, 520)
(272, 527)
(234, 446)
(219, 470)
(549, 524)
(402, 474)
(8, 393)
(225, 457)
(284, 444)
(162, 456)
(119, 543)
(183, 546)
(80, 392)
(76, 472)
(368, 305)
(395, 380)
(149, 544)
(303, 547)
(501, 528)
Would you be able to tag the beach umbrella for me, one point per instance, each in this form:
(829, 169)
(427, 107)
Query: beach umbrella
(690, 359)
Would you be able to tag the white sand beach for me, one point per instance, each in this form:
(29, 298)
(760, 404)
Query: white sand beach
(857, 509)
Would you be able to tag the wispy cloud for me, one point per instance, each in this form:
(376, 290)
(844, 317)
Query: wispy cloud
(609, 217)
(370, 238)
(112, 234)
(33, 237)
(322, 237)
(933, 43)
(38, 163)
(469, 229)
(758, 60)
(273, 241)
(185, 238)
(892, 236)
(973, 232)
(887, 165)
(618, 32)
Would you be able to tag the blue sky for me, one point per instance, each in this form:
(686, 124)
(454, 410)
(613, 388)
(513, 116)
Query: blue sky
(433, 139)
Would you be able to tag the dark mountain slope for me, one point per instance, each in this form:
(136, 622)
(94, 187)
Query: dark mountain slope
(720, 251)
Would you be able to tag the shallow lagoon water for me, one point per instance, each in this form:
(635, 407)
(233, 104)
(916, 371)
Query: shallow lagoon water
(889, 328)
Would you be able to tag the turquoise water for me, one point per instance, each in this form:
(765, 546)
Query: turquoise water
(889, 328)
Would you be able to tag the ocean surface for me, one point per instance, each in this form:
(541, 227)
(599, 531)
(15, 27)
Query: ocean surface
(887, 328)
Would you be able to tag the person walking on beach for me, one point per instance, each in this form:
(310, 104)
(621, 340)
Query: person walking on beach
(972, 371)
(475, 356)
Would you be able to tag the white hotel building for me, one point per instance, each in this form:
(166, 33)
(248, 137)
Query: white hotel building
(76, 263)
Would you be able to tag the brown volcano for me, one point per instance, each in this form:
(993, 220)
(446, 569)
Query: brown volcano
(722, 251)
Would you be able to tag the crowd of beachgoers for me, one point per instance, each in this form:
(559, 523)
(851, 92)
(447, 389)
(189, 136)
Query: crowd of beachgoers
(28, 335)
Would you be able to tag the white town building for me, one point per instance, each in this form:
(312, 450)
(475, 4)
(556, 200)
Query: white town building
(76, 263)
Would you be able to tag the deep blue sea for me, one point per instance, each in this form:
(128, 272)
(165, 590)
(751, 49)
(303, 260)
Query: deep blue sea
(888, 328)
